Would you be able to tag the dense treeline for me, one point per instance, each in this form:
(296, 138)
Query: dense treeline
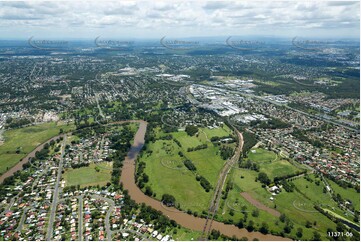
(189, 164)
(198, 147)
(204, 183)
(272, 123)
(278, 178)
(248, 164)
(226, 152)
(120, 141)
(17, 123)
(75, 166)
(191, 130)
(249, 141)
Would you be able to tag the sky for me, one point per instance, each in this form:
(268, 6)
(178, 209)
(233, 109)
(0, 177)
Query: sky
(154, 19)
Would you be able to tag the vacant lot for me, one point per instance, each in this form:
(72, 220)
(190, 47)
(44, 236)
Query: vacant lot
(19, 142)
(88, 176)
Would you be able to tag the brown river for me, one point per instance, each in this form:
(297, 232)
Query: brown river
(184, 219)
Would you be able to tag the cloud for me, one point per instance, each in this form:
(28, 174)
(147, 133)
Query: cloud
(193, 17)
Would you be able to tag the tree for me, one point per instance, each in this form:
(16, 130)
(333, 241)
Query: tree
(168, 200)
(215, 234)
(316, 236)
(299, 232)
(240, 224)
(264, 228)
(148, 191)
(263, 178)
(283, 218)
(191, 130)
(250, 226)
(255, 213)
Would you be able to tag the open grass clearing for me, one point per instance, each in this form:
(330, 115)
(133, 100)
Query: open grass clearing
(26, 139)
(88, 176)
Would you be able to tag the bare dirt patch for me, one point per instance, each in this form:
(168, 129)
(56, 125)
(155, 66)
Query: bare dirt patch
(259, 205)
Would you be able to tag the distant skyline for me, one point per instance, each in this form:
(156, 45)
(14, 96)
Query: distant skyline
(151, 20)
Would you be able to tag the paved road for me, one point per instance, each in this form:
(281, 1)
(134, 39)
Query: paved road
(107, 216)
(99, 108)
(54, 204)
(80, 218)
(21, 223)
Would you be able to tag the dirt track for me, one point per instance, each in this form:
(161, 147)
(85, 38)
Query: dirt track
(259, 205)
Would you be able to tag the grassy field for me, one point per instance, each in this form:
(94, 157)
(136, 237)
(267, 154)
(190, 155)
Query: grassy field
(165, 167)
(297, 206)
(26, 139)
(88, 176)
(347, 193)
(271, 163)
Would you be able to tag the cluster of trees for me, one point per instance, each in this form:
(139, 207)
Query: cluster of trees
(198, 147)
(226, 152)
(248, 164)
(249, 141)
(279, 178)
(75, 166)
(229, 187)
(204, 183)
(140, 176)
(272, 123)
(301, 135)
(216, 138)
(190, 166)
(120, 141)
(168, 200)
(191, 130)
(17, 123)
(288, 186)
(177, 142)
(263, 178)
(288, 225)
(44, 153)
